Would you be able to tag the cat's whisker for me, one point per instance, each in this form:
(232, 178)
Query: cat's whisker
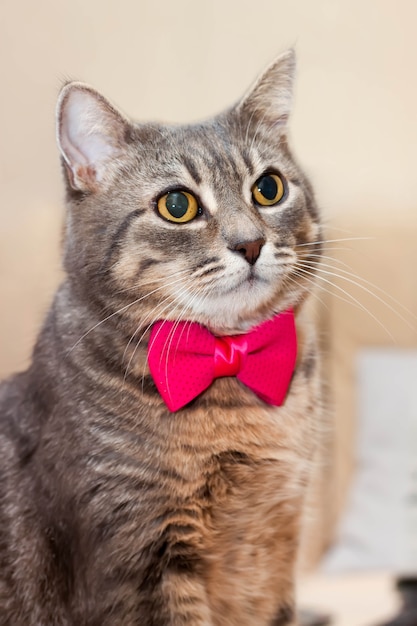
(183, 317)
(168, 343)
(328, 249)
(312, 293)
(144, 324)
(120, 310)
(140, 325)
(328, 225)
(350, 297)
(366, 282)
(153, 281)
(363, 284)
(325, 241)
(166, 347)
(328, 258)
(183, 309)
(147, 329)
(156, 317)
(165, 285)
(313, 282)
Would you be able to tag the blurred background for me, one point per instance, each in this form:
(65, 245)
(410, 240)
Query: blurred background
(354, 130)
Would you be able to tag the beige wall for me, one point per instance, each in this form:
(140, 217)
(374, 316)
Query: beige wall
(354, 128)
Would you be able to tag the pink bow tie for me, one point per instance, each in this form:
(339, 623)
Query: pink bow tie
(184, 358)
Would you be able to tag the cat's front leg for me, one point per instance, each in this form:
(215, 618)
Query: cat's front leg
(181, 600)
(173, 590)
(178, 599)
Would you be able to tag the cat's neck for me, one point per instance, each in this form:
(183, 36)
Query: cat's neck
(81, 335)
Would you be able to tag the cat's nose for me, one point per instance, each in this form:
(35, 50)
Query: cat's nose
(250, 249)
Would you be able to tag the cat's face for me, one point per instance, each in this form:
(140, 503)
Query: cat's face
(208, 222)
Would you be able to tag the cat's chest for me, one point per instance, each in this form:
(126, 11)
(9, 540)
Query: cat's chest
(242, 452)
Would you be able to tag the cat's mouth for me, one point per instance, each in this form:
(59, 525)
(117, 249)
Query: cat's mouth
(252, 279)
(240, 300)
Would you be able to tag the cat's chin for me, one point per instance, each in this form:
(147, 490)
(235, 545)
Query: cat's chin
(234, 309)
(241, 311)
(221, 328)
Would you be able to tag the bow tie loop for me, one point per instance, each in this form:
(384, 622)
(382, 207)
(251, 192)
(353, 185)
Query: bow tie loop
(184, 359)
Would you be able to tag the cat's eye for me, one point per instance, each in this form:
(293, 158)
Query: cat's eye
(268, 190)
(178, 206)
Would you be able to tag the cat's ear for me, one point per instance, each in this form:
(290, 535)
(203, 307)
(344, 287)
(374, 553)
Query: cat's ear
(90, 133)
(270, 98)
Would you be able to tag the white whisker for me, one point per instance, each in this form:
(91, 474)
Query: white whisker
(312, 293)
(347, 276)
(166, 349)
(161, 279)
(351, 298)
(166, 284)
(121, 310)
(324, 241)
(155, 318)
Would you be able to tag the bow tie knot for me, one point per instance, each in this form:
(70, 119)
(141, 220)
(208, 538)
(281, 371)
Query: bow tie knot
(184, 359)
(229, 355)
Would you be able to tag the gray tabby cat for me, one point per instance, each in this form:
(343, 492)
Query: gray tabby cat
(113, 510)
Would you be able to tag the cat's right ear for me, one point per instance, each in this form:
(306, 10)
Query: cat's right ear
(90, 133)
(270, 98)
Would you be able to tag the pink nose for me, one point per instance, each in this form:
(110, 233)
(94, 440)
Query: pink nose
(250, 250)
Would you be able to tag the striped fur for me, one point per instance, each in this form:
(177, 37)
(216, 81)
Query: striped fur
(112, 510)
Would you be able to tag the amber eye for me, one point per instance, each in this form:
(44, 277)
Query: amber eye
(178, 206)
(268, 190)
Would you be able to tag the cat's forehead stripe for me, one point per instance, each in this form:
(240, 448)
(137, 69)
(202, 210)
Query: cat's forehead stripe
(192, 170)
(210, 151)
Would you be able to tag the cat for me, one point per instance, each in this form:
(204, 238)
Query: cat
(114, 509)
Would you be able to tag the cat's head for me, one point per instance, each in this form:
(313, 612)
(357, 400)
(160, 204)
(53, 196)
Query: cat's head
(210, 222)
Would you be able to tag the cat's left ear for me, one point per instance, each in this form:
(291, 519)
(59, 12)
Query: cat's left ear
(91, 135)
(270, 98)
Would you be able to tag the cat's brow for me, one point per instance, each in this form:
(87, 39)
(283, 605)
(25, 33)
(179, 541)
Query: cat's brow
(248, 162)
(192, 170)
